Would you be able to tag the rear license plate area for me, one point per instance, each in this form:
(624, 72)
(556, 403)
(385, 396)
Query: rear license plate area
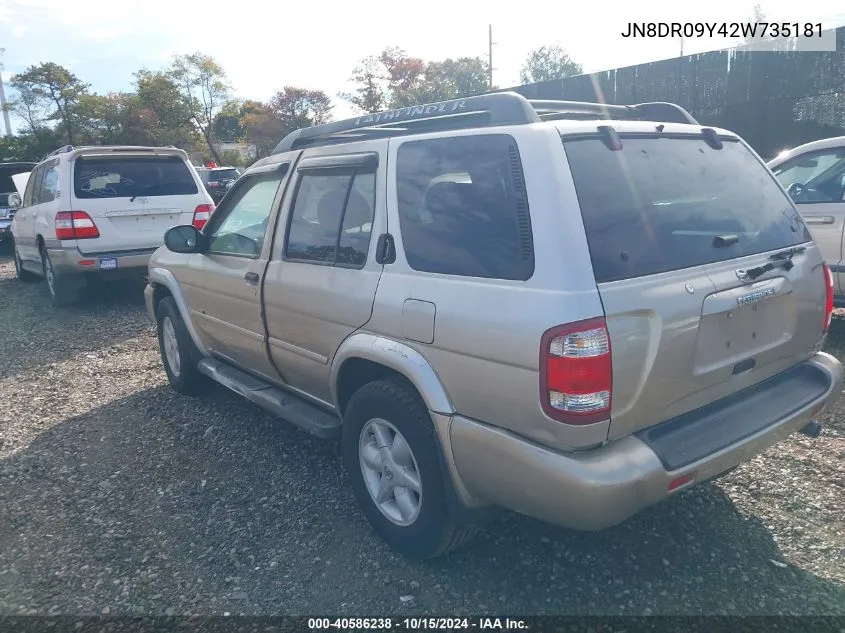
(734, 335)
(108, 263)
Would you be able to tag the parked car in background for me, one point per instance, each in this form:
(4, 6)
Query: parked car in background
(9, 197)
(498, 302)
(102, 211)
(218, 180)
(814, 176)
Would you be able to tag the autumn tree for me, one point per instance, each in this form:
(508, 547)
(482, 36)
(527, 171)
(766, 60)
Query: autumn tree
(547, 63)
(50, 91)
(204, 89)
(300, 107)
(393, 79)
(261, 127)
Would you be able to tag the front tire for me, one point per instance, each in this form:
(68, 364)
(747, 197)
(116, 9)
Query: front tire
(392, 456)
(179, 355)
(20, 272)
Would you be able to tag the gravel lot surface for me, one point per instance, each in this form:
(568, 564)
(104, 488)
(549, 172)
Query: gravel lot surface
(118, 496)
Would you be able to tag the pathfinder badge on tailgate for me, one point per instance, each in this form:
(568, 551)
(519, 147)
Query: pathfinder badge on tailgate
(754, 297)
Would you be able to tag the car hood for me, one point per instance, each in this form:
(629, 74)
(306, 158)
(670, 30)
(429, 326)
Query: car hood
(20, 181)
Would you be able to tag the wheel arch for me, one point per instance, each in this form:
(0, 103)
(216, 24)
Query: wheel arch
(365, 357)
(164, 284)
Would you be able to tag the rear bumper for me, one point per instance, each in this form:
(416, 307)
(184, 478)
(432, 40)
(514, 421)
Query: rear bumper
(598, 488)
(71, 261)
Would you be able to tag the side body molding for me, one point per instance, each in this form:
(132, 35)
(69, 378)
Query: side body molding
(164, 277)
(399, 357)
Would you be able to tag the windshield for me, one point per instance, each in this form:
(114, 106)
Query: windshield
(658, 203)
(125, 177)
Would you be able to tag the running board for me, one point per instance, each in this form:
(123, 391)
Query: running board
(284, 404)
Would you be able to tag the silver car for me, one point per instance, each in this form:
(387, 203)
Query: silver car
(569, 310)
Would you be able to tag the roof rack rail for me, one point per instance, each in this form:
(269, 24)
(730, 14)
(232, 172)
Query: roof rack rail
(655, 111)
(502, 108)
(497, 108)
(62, 150)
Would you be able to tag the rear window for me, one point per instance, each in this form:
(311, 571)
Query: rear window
(657, 204)
(223, 174)
(125, 177)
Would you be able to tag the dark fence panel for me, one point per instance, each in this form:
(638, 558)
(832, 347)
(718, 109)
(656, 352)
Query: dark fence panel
(773, 99)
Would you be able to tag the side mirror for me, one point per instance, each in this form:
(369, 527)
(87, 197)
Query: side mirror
(184, 239)
(14, 200)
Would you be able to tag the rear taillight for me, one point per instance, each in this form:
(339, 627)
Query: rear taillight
(828, 304)
(201, 215)
(75, 225)
(576, 372)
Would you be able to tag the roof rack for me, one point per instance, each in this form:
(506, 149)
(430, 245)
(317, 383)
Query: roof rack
(498, 108)
(62, 150)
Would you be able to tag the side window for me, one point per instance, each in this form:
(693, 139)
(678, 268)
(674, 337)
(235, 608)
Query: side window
(49, 184)
(818, 177)
(33, 186)
(463, 209)
(239, 227)
(332, 217)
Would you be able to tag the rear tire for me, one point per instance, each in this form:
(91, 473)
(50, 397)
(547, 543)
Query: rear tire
(392, 456)
(179, 355)
(20, 272)
(63, 292)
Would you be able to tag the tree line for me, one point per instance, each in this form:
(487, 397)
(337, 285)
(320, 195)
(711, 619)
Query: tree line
(190, 104)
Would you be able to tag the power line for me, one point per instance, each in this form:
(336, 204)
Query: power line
(490, 43)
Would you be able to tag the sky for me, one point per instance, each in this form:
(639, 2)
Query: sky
(264, 46)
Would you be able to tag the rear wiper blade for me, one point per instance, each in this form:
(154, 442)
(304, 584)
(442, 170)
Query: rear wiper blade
(782, 259)
(788, 253)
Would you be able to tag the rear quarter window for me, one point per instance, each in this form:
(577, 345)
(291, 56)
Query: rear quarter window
(463, 208)
(657, 204)
(125, 177)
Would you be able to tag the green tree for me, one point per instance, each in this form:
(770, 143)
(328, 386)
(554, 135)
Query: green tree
(227, 123)
(204, 90)
(299, 107)
(164, 111)
(547, 63)
(370, 94)
(29, 146)
(52, 89)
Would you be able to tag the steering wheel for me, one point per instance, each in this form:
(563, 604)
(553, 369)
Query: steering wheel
(796, 190)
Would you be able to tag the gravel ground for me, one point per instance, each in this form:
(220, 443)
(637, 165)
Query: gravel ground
(118, 496)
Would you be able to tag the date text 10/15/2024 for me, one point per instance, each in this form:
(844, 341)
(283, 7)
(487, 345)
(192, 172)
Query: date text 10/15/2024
(417, 624)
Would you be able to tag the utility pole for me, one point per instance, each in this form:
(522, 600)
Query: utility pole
(490, 55)
(682, 45)
(6, 121)
(3, 98)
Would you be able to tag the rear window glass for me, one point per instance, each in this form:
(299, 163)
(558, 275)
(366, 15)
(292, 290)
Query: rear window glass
(125, 177)
(657, 204)
(223, 174)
